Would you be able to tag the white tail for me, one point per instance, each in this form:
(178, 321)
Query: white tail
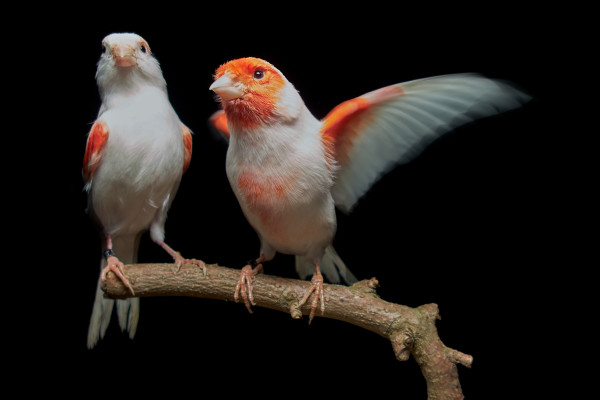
(331, 266)
(128, 310)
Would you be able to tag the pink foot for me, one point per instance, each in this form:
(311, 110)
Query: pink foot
(116, 266)
(179, 260)
(244, 285)
(317, 289)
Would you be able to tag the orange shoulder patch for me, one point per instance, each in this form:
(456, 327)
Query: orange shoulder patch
(187, 146)
(93, 149)
(335, 122)
(344, 123)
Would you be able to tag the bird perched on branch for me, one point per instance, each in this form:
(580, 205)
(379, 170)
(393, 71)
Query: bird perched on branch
(136, 153)
(289, 169)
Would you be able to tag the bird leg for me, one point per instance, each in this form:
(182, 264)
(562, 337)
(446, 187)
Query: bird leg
(179, 260)
(317, 288)
(114, 265)
(244, 285)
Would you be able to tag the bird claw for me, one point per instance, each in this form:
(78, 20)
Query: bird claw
(115, 266)
(317, 289)
(179, 261)
(244, 286)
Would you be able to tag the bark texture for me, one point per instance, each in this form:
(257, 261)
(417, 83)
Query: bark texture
(410, 330)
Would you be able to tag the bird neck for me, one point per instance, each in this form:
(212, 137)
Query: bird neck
(275, 140)
(128, 82)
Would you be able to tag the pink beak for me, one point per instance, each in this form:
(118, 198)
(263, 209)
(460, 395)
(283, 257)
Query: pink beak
(123, 55)
(227, 88)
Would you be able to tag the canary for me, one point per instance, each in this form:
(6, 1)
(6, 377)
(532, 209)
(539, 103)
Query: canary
(289, 170)
(136, 153)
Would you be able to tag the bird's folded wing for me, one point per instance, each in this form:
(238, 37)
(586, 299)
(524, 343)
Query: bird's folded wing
(93, 149)
(187, 146)
(370, 134)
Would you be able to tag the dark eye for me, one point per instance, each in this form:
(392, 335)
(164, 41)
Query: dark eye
(104, 48)
(259, 74)
(143, 49)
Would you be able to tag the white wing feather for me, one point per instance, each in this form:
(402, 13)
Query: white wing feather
(397, 129)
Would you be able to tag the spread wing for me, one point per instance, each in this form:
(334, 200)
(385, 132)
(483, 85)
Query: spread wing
(370, 134)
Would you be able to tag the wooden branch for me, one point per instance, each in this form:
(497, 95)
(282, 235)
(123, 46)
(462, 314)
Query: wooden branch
(410, 330)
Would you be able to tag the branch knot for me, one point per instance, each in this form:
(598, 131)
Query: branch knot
(368, 287)
(402, 343)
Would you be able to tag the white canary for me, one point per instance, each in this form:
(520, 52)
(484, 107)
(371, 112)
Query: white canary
(136, 153)
(289, 170)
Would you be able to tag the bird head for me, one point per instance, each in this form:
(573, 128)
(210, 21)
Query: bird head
(125, 50)
(254, 92)
(125, 56)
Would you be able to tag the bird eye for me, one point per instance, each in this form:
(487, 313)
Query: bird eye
(259, 74)
(104, 48)
(143, 48)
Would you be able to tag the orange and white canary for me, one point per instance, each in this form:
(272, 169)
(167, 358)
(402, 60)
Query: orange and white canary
(136, 153)
(289, 169)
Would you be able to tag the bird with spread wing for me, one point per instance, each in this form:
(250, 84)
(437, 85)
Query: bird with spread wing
(289, 170)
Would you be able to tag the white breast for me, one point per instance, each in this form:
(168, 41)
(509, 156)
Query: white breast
(282, 181)
(141, 163)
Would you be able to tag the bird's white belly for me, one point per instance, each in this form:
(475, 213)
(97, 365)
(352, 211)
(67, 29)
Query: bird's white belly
(127, 211)
(135, 180)
(282, 181)
(289, 218)
(129, 208)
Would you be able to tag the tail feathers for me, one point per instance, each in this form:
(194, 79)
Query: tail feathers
(332, 266)
(101, 314)
(128, 310)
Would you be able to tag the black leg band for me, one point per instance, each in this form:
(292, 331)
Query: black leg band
(108, 253)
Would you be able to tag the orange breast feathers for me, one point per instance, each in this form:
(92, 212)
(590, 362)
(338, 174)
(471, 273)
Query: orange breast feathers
(262, 193)
(93, 149)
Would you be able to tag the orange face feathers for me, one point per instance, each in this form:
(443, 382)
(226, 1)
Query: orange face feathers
(256, 75)
(250, 89)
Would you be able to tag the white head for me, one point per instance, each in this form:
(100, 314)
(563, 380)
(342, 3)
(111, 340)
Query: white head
(126, 63)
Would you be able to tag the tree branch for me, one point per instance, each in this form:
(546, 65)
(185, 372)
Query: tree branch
(410, 330)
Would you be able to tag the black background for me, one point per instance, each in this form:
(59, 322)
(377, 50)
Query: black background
(469, 225)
